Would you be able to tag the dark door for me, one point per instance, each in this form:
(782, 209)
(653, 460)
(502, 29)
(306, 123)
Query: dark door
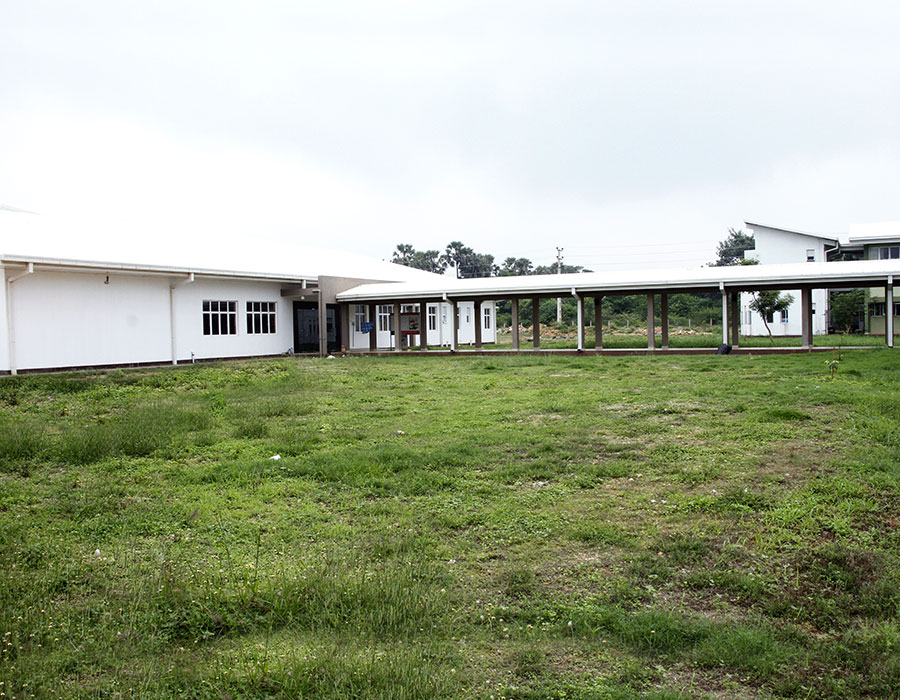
(306, 327)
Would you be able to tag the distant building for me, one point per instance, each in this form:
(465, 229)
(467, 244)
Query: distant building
(776, 245)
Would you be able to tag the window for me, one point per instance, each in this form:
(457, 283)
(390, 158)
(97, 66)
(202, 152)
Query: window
(385, 317)
(219, 318)
(891, 252)
(810, 255)
(897, 308)
(876, 308)
(432, 318)
(359, 317)
(784, 316)
(407, 308)
(260, 317)
(487, 318)
(748, 316)
(770, 317)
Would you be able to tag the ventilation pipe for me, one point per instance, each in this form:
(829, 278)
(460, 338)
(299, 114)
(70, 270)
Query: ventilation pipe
(188, 280)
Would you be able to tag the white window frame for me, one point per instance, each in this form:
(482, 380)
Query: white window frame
(215, 313)
(877, 309)
(262, 317)
(359, 316)
(889, 252)
(785, 316)
(432, 318)
(487, 318)
(386, 317)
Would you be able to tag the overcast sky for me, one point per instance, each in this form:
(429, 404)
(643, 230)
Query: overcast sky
(622, 131)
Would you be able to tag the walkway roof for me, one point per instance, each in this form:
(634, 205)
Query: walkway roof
(737, 278)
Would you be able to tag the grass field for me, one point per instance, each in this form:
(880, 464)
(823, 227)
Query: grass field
(473, 527)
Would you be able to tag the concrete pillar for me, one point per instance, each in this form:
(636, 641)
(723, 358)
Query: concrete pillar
(476, 312)
(454, 325)
(735, 313)
(423, 325)
(536, 322)
(373, 334)
(806, 317)
(346, 335)
(651, 323)
(724, 314)
(664, 320)
(323, 326)
(579, 303)
(515, 324)
(889, 312)
(598, 322)
(398, 336)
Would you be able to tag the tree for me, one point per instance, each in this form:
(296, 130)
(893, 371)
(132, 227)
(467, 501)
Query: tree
(732, 250)
(766, 303)
(554, 269)
(430, 260)
(514, 267)
(848, 310)
(467, 262)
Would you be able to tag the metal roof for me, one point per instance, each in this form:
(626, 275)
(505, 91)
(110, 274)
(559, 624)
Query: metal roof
(734, 278)
(826, 237)
(63, 264)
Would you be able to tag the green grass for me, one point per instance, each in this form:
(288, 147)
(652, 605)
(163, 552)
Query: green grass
(530, 526)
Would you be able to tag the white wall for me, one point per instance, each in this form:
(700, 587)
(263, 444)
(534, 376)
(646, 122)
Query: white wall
(69, 319)
(440, 335)
(774, 246)
(189, 300)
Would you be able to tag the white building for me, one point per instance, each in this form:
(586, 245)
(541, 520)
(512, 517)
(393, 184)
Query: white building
(779, 245)
(879, 241)
(76, 313)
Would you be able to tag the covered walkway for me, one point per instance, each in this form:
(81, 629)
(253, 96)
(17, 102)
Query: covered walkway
(592, 288)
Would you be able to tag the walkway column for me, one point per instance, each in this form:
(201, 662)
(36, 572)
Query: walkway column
(735, 319)
(398, 336)
(536, 322)
(724, 313)
(476, 311)
(598, 322)
(345, 340)
(323, 326)
(579, 303)
(373, 334)
(515, 324)
(651, 323)
(806, 317)
(423, 325)
(664, 320)
(889, 312)
(454, 326)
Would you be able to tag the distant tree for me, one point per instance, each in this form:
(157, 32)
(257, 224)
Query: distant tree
(848, 310)
(467, 262)
(430, 260)
(552, 269)
(732, 250)
(766, 303)
(514, 267)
